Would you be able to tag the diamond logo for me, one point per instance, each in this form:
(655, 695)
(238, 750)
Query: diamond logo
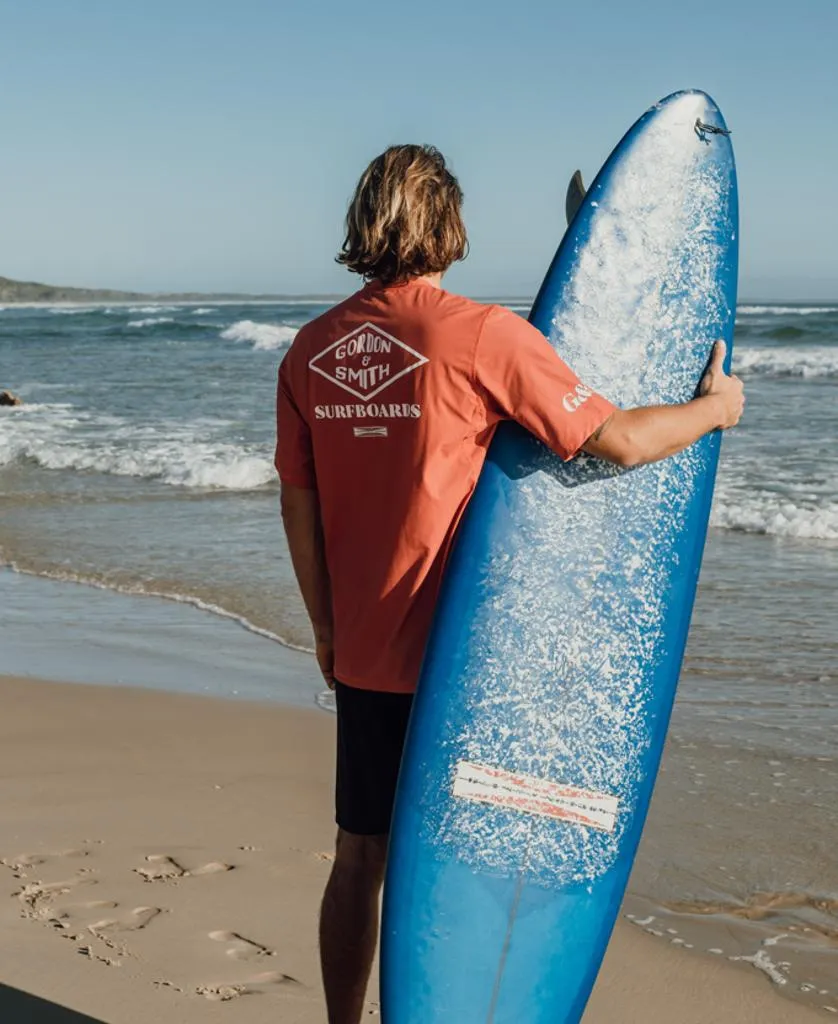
(366, 361)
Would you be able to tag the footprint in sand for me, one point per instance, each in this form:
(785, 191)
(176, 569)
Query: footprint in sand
(240, 948)
(214, 867)
(61, 918)
(24, 862)
(161, 869)
(57, 905)
(37, 898)
(220, 993)
(72, 920)
(134, 921)
(259, 984)
(164, 868)
(109, 930)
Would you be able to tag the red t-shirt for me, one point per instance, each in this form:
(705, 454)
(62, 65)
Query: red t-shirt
(386, 405)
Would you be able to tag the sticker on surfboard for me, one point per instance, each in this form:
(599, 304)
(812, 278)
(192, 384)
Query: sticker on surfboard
(530, 795)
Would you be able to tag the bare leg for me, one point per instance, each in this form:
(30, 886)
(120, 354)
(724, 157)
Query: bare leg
(349, 923)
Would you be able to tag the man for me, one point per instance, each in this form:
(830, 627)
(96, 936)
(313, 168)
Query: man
(386, 405)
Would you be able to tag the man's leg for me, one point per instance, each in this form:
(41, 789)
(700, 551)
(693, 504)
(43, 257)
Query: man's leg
(349, 923)
(371, 728)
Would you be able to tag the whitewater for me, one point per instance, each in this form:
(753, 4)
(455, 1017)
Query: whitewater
(143, 455)
(144, 430)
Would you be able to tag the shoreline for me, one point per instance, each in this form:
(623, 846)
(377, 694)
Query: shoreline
(128, 644)
(80, 631)
(163, 855)
(137, 590)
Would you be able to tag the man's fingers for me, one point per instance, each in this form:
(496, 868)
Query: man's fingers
(719, 353)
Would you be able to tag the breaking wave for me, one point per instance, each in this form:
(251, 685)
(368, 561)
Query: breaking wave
(811, 361)
(58, 437)
(150, 321)
(784, 310)
(775, 516)
(144, 309)
(264, 337)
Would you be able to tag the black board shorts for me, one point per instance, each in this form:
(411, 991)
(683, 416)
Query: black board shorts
(371, 731)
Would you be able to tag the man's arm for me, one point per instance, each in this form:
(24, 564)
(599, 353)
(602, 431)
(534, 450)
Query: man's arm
(304, 530)
(632, 437)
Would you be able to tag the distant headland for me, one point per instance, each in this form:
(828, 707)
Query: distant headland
(33, 291)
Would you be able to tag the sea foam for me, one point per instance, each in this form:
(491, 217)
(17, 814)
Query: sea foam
(775, 516)
(150, 321)
(157, 308)
(176, 462)
(789, 361)
(784, 310)
(264, 337)
(59, 437)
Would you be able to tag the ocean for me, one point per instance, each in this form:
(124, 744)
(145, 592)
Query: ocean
(141, 462)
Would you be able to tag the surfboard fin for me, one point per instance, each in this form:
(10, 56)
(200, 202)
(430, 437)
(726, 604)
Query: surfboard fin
(575, 194)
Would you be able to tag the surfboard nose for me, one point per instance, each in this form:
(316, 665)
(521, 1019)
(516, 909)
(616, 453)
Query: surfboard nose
(693, 103)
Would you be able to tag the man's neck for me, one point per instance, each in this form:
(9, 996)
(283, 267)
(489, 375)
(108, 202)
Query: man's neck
(433, 279)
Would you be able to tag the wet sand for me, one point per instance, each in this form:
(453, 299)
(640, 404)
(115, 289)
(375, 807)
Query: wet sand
(163, 857)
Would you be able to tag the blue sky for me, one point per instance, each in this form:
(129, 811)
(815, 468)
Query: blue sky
(213, 145)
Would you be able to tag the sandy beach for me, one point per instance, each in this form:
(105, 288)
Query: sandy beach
(196, 303)
(163, 856)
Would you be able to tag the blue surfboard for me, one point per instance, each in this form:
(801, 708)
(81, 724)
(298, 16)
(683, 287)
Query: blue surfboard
(551, 671)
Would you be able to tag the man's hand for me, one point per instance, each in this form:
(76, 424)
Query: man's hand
(304, 530)
(632, 437)
(729, 390)
(325, 654)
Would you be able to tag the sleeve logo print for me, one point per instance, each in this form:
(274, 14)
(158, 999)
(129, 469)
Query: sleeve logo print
(573, 399)
(366, 361)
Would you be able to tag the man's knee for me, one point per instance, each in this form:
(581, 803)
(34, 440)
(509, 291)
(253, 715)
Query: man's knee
(366, 855)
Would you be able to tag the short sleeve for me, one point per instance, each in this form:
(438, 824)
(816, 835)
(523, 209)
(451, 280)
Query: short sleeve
(523, 379)
(294, 456)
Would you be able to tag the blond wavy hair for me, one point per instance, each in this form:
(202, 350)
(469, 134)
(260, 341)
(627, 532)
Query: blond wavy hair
(404, 219)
